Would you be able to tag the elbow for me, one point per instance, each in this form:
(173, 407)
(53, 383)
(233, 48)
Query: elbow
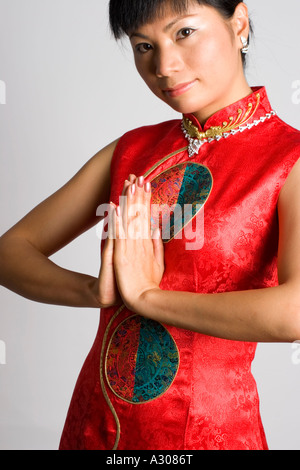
(284, 314)
(9, 260)
(5, 253)
(2, 257)
(291, 321)
(295, 327)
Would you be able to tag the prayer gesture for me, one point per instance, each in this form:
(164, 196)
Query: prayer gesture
(138, 253)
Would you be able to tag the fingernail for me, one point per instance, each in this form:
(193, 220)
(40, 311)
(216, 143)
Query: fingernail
(148, 187)
(118, 211)
(141, 181)
(133, 189)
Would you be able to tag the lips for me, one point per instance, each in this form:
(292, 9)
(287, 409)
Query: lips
(179, 89)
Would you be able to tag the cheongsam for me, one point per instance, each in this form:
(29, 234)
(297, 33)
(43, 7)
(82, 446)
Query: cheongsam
(149, 386)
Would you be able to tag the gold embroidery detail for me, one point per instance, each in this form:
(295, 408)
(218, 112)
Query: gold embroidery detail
(163, 160)
(109, 403)
(218, 131)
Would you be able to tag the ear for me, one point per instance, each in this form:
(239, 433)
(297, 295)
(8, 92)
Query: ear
(240, 22)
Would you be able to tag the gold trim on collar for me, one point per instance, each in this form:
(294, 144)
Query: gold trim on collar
(218, 131)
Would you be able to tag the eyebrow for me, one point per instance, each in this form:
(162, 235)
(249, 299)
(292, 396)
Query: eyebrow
(166, 28)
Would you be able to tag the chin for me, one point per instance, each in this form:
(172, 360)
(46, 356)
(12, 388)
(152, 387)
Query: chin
(184, 108)
(186, 104)
(183, 104)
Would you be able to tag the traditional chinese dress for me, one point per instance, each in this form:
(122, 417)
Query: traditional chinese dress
(145, 385)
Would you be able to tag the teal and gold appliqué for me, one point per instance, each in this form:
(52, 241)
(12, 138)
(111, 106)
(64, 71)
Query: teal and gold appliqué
(178, 194)
(142, 360)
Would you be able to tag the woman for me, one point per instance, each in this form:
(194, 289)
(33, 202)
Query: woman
(183, 308)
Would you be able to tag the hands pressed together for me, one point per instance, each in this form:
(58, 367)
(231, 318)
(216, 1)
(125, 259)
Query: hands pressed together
(133, 265)
(133, 256)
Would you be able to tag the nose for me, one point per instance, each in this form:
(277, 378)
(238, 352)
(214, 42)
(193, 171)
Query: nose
(167, 61)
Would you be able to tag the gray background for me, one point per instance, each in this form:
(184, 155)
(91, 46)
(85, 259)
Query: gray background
(70, 90)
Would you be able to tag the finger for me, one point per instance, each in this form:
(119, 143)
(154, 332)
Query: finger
(138, 194)
(127, 202)
(140, 182)
(132, 178)
(124, 200)
(108, 248)
(120, 234)
(156, 235)
(138, 213)
(147, 197)
(143, 191)
(158, 247)
(127, 183)
(147, 205)
(146, 201)
(111, 232)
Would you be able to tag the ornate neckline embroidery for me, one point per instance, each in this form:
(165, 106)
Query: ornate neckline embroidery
(197, 138)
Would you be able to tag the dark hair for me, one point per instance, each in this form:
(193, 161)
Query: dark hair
(128, 15)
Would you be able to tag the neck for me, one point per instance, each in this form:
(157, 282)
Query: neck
(237, 92)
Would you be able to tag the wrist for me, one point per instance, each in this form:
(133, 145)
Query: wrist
(144, 303)
(93, 293)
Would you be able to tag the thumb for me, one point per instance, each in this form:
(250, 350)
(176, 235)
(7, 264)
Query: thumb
(158, 247)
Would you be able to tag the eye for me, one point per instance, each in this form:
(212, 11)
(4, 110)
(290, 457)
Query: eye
(143, 48)
(185, 33)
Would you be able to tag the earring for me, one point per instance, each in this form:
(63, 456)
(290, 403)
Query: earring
(245, 48)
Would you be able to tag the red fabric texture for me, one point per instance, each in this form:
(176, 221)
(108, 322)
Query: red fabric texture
(212, 402)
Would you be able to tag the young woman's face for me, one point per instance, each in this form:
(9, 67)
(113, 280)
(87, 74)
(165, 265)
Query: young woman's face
(193, 61)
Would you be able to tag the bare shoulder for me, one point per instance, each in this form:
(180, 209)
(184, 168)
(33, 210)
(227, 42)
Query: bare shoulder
(292, 184)
(289, 226)
(72, 209)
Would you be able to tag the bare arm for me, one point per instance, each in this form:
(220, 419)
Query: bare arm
(265, 315)
(25, 249)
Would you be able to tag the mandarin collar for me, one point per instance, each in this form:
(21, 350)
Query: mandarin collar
(258, 101)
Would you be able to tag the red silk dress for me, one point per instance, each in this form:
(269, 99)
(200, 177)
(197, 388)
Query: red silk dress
(148, 386)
